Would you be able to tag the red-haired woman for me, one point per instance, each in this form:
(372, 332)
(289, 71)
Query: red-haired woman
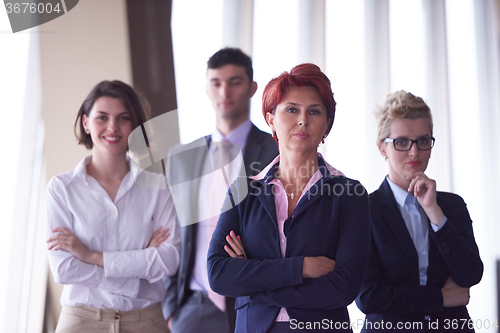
(110, 241)
(294, 250)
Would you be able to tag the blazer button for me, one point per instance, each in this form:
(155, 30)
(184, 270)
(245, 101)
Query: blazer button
(441, 238)
(446, 250)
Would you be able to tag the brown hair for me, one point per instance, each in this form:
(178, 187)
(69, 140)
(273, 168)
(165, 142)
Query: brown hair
(136, 105)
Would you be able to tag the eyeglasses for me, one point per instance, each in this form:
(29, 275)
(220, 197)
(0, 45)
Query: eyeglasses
(406, 144)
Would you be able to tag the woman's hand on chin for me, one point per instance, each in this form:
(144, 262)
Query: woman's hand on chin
(424, 189)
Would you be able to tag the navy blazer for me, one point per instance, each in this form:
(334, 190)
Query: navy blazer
(331, 220)
(391, 290)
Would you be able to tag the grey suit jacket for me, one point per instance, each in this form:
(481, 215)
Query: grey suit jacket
(260, 150)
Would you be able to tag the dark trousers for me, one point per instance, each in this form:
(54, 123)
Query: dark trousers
(199, 314)
(283, 327)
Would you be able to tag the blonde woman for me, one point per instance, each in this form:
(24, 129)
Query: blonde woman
(424, 257)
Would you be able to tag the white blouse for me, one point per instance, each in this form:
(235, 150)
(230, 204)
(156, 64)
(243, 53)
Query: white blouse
(132, 274)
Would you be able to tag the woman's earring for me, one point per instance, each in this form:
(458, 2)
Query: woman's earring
(323, 141)
(87, 130)
(274, 135)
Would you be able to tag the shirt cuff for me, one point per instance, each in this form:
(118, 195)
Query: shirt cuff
(125, 264)
(441, 224)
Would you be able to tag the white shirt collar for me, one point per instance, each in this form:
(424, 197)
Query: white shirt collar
(399, 194)
(81, 170)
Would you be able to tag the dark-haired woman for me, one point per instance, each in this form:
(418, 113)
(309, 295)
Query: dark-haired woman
(295, 248)
(424, 257)
(110, 241)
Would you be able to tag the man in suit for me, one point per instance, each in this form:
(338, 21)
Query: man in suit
(190, 304)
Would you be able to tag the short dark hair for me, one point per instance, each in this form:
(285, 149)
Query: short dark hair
(136, 105)
(231, 56)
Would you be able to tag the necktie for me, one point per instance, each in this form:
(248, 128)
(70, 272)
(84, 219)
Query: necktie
(220, 181)
(419, 226)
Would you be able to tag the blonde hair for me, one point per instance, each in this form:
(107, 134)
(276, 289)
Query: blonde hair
(400, 105)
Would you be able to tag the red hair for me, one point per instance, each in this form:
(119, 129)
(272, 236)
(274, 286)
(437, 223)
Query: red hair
(303, 75)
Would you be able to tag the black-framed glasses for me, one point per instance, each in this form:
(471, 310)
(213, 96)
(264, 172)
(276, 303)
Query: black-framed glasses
(406, 144)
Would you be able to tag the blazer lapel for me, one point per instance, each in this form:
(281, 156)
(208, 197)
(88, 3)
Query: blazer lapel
(314, 193)
(184, 172)
(435, 260)
(253, 150)
(309, 198)
(392, 216)
(267, 201)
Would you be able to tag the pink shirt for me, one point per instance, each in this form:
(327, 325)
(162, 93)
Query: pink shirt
(281, 202)
(199, 279)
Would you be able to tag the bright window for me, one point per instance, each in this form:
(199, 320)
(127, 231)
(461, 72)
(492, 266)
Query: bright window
(13, 69)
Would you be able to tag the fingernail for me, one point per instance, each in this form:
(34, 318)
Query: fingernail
(239, 237)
